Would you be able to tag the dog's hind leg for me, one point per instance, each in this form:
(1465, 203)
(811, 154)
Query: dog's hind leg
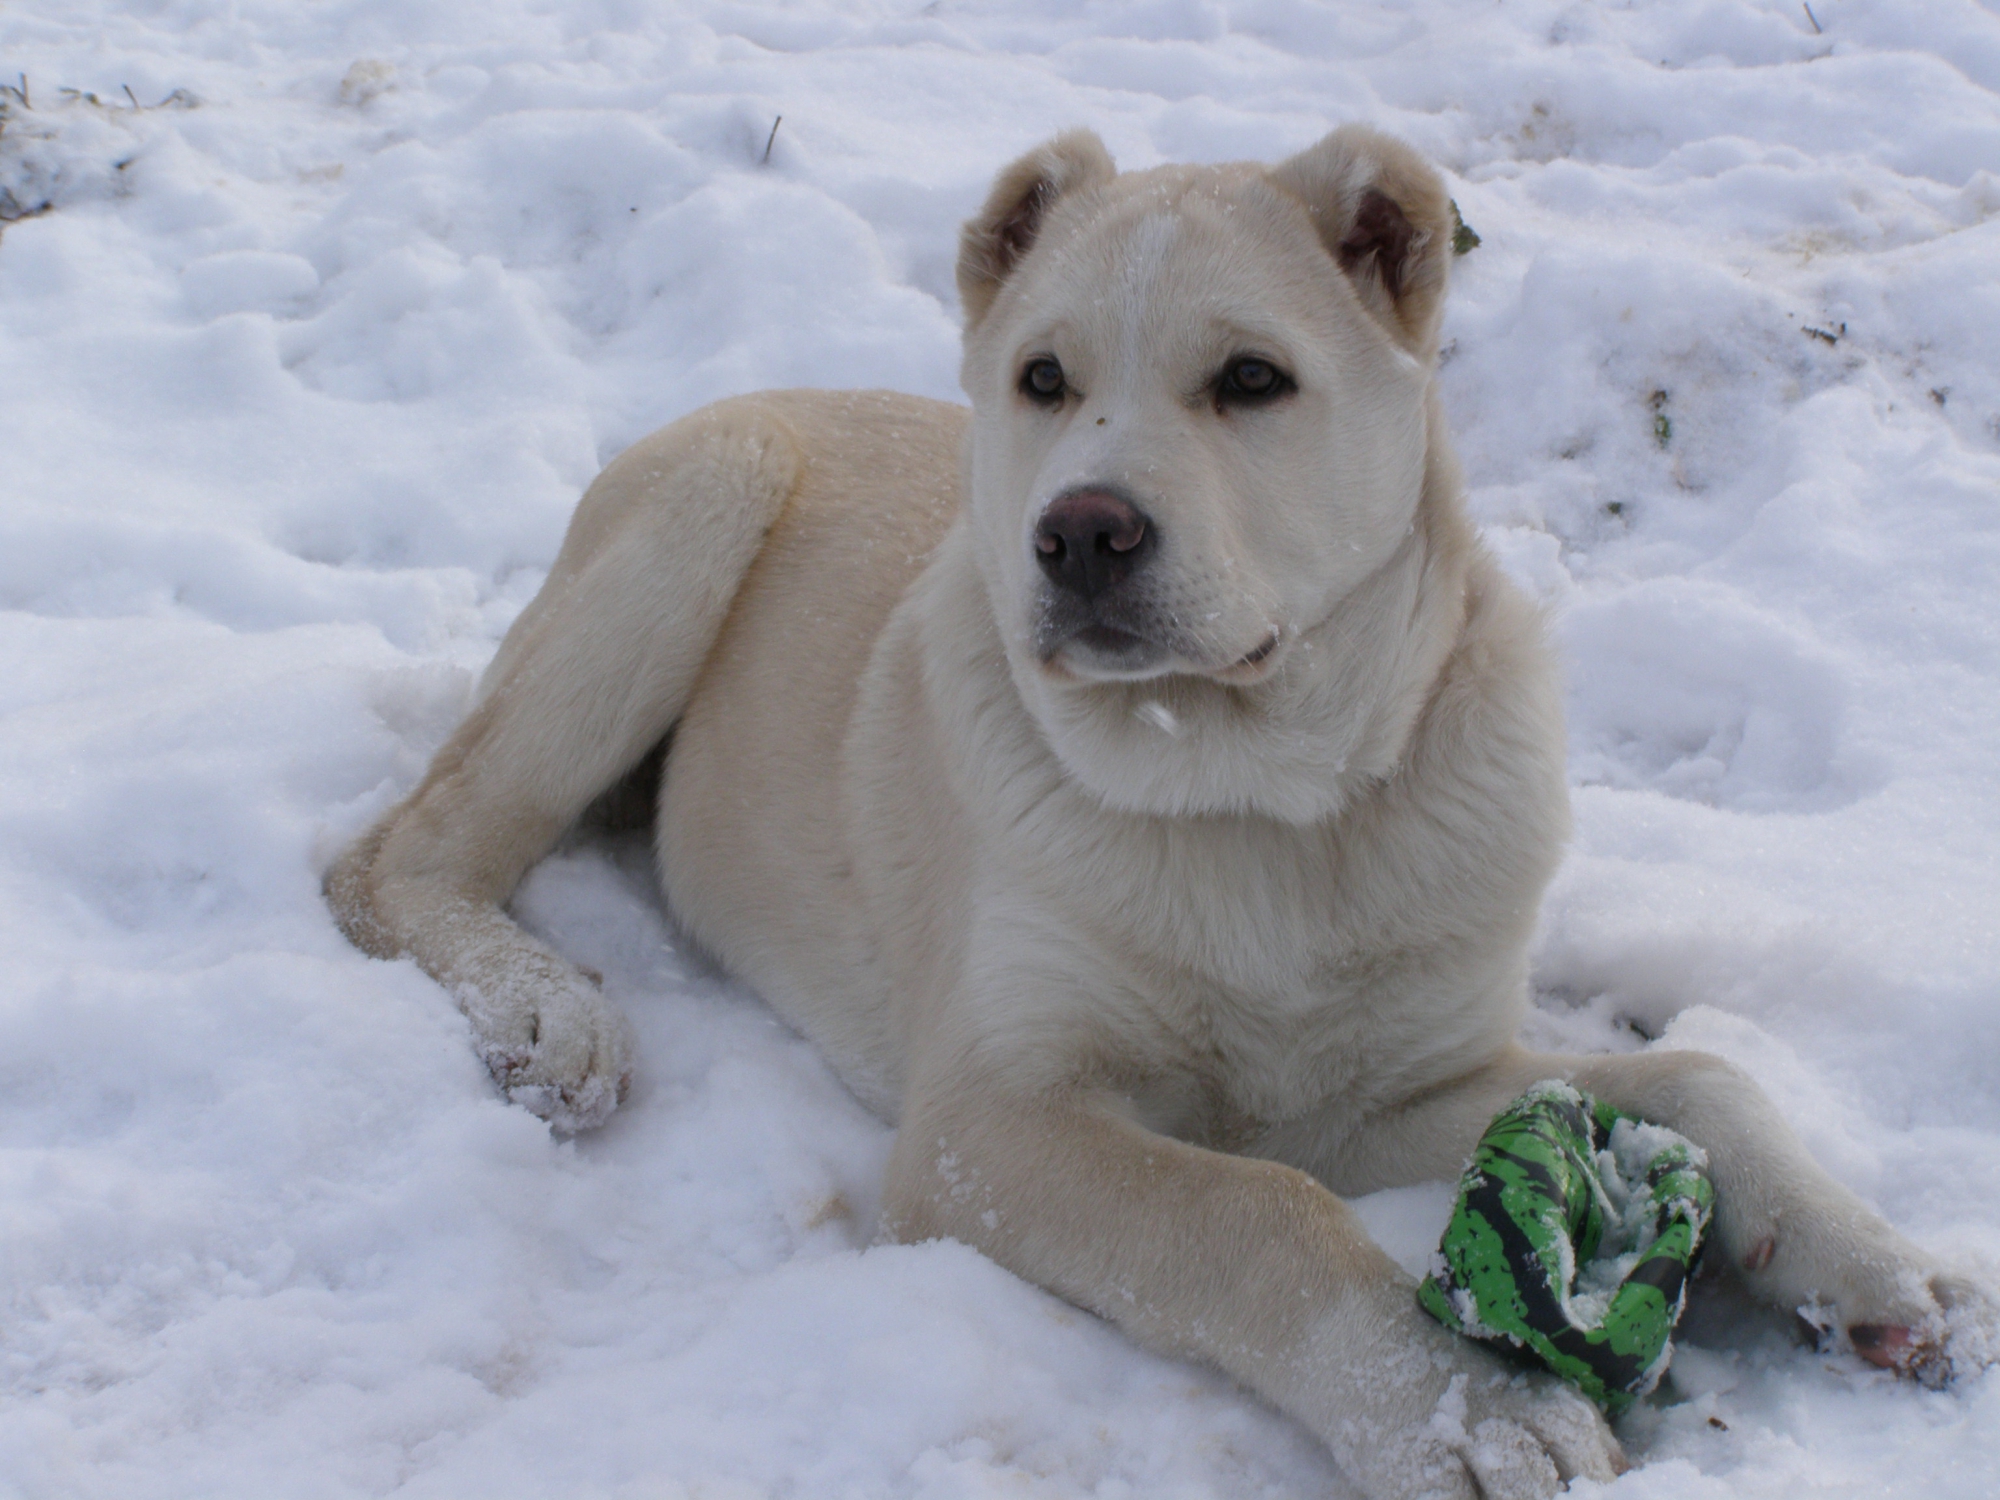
(590, 678)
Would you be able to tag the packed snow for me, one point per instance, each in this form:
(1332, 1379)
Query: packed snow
(316, 319)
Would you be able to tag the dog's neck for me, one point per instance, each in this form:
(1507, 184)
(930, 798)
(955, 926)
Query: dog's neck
(1382, 649)
(1336, 717)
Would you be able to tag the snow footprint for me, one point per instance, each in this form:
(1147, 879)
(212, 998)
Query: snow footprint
(1686, 688)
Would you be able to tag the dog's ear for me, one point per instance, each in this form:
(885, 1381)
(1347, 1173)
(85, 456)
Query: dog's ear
(1382, 213)
(995, 239)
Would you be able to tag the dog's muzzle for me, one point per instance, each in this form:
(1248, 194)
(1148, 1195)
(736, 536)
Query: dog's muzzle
(1094, 546)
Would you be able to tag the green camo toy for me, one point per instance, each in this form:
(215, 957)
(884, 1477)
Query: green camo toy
(1570, 1245)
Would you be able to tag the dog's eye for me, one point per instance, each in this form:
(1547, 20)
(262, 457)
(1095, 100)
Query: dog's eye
(1043, 381)
(1251, 380)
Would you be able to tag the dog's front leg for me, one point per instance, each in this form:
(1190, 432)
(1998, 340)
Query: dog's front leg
(1249, 1264)
(1798, 1238)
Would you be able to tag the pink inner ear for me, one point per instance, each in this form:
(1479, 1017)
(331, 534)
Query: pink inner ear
(1018, 230)
(1380, 229)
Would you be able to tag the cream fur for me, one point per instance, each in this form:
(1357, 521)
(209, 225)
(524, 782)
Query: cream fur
(1149, 949)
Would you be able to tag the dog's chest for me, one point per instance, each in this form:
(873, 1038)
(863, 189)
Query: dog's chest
(1271, 1001)
(1291, 973)
(1336, 1031)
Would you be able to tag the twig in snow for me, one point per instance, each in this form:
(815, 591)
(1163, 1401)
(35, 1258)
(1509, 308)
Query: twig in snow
(1812, 18)
(771, 139)
(178, 99)
(18, 90)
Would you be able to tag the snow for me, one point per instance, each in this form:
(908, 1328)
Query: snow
(1634, 1217)
(331, 318)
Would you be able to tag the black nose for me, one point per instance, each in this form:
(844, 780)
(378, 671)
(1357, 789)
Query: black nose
(1090, 540)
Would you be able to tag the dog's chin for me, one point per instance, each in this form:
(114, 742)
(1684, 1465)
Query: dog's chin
(1103, 653)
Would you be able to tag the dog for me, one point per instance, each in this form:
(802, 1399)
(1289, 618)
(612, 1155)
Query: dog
(1139, 785)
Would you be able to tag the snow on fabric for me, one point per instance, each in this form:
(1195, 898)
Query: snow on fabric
(314, 322)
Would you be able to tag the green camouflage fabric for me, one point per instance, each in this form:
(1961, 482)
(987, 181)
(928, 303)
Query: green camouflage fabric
(1571, 1242)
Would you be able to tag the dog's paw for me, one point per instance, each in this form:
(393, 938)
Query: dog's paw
(1960, 1336)
(556, 1047)
(1433, 1414)
(1971, 1323)
(1862, 1286)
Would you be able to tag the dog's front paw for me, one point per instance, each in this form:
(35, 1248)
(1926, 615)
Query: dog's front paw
(1862, 1285)
(1971, 1323)
(1427, 1413)
(554, 1044)
(1959, 1337)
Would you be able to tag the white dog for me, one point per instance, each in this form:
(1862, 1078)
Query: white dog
(1139, 786)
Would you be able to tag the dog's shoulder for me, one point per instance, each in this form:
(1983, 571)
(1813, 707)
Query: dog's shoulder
(1491, 732)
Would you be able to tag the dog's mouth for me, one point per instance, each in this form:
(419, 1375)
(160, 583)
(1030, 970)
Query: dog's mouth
(1255, 665)
(1270, 645)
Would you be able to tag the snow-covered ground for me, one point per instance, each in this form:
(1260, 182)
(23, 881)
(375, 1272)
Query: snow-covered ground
(335, 309)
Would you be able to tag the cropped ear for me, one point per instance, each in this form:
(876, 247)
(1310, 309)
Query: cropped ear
(1382, 213)
(995, 240)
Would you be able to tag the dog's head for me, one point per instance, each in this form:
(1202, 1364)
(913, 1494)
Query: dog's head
(1201, 426)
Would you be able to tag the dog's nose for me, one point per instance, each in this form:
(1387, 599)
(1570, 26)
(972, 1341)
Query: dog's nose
(1090, 540)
